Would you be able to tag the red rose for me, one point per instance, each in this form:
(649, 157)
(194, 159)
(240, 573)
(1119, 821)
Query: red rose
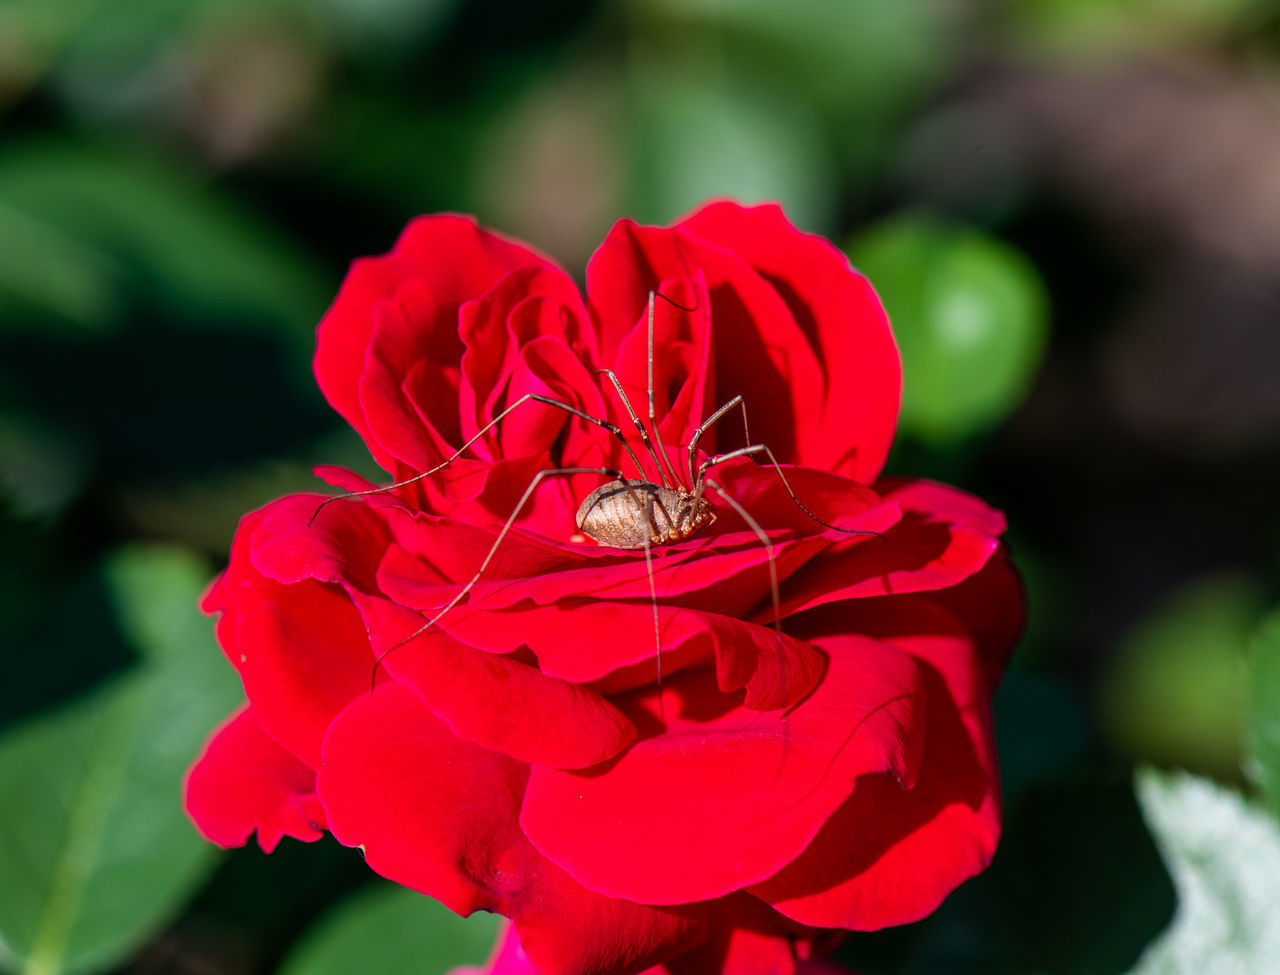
(519, 756)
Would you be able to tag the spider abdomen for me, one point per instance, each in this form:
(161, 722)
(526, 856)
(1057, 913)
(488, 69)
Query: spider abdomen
(613, 514)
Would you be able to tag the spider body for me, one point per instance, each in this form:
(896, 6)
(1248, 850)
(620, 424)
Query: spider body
(630, 514)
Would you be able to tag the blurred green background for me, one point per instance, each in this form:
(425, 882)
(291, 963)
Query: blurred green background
(1070, 207)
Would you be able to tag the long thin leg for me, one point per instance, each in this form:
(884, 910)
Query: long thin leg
(644, 434)
(657, 434)
(653, 595)
(697, 434)
(524, 498)
(773, 462)
(604, 424)
(768, 546)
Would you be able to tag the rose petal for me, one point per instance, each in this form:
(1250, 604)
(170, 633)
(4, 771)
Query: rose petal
(430, 548)
(613, 644)
(498, 702)
(482, 493)
(301, 649)
(819, 496)
(426, 809)
(890, 856)
(943, 501)
(450, 254)
(527, 303)
(303, 655)
(991, 604)
(293, 539)
(727, 568)
(439, 815)
(344, 479)
(945, 536)
(745, 938)
(547, 367)
(725, 573)
(654, 826)
(758, 347)
(842, 320)
(683, 360)
(409, 388)
(243, 781)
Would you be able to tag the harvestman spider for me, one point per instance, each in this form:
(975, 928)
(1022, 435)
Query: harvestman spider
(628, 513)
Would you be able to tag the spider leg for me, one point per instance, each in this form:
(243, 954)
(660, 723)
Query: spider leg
(657, 434)
(524, 498)
(644, 434)
(768, 547)
(773, 462)
(697, 434)
(536, 397)
(653, 594)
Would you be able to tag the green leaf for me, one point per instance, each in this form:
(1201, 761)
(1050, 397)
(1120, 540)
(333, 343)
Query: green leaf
(386, 930)
(697, 135)
(970, 316)
(1174, 692)
(1224, 857)
(96, 850)
(1263, 733)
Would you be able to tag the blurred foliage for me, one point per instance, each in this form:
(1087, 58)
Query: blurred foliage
(699, 134)
(98, 218)
(1091, 27)
(1068, 208)
(1263, 737)
(1175, 691)
(970, 316)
